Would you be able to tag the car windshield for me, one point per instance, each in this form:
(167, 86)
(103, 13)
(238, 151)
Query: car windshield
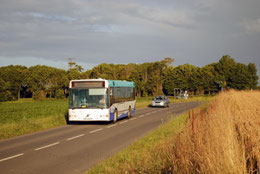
(88, 98)
(158, 98)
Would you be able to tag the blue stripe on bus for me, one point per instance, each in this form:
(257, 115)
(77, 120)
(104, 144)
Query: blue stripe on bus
(120, 116)
(123, 115)
(112, 116)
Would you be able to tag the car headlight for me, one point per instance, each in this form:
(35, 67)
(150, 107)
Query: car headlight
(153, 103)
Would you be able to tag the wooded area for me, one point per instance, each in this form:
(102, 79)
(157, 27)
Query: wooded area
(150, 79)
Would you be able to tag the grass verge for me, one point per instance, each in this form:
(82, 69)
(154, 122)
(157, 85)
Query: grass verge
(145, 155)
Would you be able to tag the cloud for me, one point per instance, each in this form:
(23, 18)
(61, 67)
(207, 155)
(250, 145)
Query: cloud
(252, 26)
(40, 30)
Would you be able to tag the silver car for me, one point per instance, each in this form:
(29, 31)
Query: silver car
(160, 101)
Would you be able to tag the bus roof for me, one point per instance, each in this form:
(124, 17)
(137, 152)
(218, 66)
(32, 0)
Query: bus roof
(111, 83)
(119, 83)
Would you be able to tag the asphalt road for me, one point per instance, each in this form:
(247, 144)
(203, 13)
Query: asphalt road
(78, 147)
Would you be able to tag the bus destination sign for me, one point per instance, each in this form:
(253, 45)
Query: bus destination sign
(88, 84)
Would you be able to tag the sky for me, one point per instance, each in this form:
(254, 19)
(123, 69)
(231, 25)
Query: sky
(197, 32)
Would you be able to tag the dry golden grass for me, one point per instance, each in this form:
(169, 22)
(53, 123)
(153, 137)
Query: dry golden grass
(223, 138)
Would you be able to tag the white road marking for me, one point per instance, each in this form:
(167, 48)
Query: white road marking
(111, 126)
(47, 146)
(147, 114)
(11, 157)
(123, 122)
(95, 130)
(133, 118)
(141, 116)
(72, 138)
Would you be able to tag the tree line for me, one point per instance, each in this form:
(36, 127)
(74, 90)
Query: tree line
(150, 79)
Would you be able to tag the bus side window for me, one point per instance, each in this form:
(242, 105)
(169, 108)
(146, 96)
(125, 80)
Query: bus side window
(112, 96)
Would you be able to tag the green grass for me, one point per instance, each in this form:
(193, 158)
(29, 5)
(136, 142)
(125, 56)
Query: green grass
(26, 116)
(147, 155)
(191, 99)
(143, 102)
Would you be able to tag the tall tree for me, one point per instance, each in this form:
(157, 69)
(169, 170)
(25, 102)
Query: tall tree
(75, 70)
(45, 81)
(13, 76)
(226, 68)
(5, 94)
(209, 79)
(252, 75)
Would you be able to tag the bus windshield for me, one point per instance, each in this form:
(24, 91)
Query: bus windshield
(88, 98)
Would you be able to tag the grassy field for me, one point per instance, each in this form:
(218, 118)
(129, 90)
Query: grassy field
(221, 137)
(27, 115)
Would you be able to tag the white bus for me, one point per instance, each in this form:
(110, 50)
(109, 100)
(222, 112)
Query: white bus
(101, 100)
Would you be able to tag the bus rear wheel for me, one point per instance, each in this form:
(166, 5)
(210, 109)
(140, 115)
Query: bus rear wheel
(129, 112)
(115, 116)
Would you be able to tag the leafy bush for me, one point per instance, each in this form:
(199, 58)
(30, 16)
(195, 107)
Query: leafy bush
(59, 94)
